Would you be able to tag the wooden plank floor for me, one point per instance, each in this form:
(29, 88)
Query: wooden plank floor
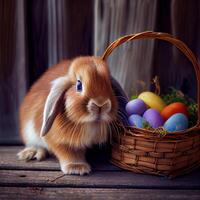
(44, 180)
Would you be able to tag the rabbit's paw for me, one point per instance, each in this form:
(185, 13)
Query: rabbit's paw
(76, 168)
(30, 153)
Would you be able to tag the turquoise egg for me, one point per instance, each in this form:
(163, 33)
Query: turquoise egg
(177, 122)
(136, 120)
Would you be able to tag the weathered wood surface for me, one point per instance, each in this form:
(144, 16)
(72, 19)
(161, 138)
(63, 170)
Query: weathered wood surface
(34, 35)
(132, 61)
(70, 29)
(38, 193)
(97, 179)
(12, 64)
(14, 172)
(135, 63)
(8, 160)
(44, 180)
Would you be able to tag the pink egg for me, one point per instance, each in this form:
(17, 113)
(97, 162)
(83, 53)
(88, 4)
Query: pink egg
(154, 118)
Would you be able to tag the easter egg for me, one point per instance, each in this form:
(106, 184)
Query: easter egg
(153, 117)
(136, 106)
(152, 100)
(136, 120)
(173, 108)
(176, 122)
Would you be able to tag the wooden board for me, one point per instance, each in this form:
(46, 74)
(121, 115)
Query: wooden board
(9, 161)
(14, 172)
(35, 35)
(13, 62)
(99, 179)
(44, 180)
(38, 193)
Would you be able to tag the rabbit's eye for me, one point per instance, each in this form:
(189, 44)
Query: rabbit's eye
(79, 86)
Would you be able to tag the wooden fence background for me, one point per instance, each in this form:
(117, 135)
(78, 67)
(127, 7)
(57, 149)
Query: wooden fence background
(34, 34)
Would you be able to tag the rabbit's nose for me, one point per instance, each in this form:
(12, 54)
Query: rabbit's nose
(99, 107)
(96, 108)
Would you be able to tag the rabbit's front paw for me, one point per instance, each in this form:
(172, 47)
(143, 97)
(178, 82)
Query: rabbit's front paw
(76, 168)
(30, 153)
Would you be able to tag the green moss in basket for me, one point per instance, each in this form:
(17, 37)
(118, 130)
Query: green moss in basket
(192, 110)
(146, 125)
(174, 95)
(134, 97)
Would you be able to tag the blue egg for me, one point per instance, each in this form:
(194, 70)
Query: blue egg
(177, 122)
(136, 120)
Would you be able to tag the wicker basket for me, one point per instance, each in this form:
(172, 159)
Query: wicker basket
(145, 151)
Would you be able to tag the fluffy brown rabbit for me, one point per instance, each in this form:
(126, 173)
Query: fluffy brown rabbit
(67, 110)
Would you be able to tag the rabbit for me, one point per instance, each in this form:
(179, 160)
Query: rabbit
(66, 111)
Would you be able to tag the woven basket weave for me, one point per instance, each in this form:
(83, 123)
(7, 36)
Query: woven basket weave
(145, 151)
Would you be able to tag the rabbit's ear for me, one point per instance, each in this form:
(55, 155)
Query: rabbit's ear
(54, 103)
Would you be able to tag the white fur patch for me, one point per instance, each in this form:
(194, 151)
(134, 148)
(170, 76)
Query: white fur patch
(93, 134)
(31, 137)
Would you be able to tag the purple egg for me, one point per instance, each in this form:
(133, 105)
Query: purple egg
(154, 118)
(136, 106)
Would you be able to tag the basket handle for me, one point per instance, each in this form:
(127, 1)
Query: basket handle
(167, 37)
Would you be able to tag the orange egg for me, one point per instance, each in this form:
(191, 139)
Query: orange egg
(174, 108)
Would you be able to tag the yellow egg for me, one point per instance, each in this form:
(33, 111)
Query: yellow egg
(152, 100)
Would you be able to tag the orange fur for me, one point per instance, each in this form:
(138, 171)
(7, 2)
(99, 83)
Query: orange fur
(70, 133)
